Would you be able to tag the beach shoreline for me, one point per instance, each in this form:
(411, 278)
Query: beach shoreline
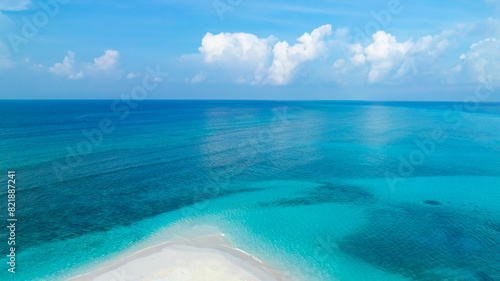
(210, 256)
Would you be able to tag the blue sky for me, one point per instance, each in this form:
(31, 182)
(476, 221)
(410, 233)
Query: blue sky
(242, 49)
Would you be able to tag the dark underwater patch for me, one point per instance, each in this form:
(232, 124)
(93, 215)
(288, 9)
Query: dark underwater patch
(432, 202)
(327, 193)
(87, 204)
(425, 244)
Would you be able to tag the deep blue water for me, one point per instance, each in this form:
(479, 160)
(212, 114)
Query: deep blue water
(280, 179)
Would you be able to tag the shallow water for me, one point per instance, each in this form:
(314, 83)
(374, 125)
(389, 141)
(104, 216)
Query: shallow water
(301, 185)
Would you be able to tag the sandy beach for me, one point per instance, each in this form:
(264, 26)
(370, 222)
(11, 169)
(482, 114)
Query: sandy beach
(209, 257)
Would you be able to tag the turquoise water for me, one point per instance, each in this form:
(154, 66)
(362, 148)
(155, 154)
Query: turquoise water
(305, 186)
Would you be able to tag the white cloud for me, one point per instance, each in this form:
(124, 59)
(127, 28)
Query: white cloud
(246, 58)
(261, 60)
(384, 54)
(76, 76)
(14, 5)
(67, 68)
(225, 47)
(106, 62)
(287, 58)
(358, 59)
(339, 63)
(104, 65)
(241, 54)
(132, 75)
(250, 59)
(198, 78)
(480, 63)
(385, 60)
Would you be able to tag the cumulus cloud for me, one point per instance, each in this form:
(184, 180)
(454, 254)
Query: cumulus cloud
(104, 65)
(267, 61)
(385, 54)
(385, 59)
(107, 61)
(243, 54)
(198, 78)
(287, 58)
(225, 47)
(480, 63)
(67, 68)
(264, 59)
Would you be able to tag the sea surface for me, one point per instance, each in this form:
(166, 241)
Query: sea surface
(317, 190)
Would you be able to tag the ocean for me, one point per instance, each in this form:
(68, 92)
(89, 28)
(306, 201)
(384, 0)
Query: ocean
(317, 190)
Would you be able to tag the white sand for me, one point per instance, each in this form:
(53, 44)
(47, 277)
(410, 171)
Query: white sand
(205, 258)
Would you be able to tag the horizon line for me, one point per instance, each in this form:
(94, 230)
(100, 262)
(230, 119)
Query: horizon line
(267, 100)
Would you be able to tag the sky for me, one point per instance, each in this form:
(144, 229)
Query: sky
(408, 50)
